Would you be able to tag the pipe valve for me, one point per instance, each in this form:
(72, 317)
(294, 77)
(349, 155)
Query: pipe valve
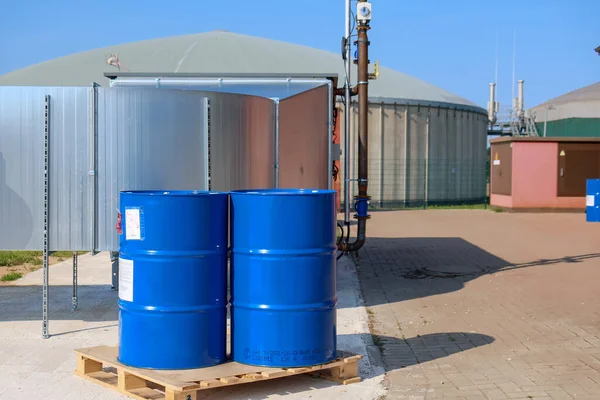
(361, 206)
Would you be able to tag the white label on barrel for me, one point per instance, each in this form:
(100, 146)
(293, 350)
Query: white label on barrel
(126, 279)
(132, 224)
(496, 162)
(589, 201)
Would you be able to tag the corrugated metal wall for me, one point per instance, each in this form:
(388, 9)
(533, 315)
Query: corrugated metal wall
(147, 140)
(571, 127)
(421, 155)
(22, 122)
(104, 140)
(242, 141)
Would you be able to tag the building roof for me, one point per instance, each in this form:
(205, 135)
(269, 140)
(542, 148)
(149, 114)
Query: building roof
(221, 52)
(580, 103)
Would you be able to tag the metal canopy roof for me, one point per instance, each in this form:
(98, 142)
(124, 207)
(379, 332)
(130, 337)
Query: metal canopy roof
(274, 86)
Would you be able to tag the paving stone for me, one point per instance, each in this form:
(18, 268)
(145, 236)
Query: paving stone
(527, 325)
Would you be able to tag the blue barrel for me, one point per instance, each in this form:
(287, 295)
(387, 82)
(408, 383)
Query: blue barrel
(172, 279)
(592, 200)
(283, 279)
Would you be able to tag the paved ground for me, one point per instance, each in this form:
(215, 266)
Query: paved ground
(34, 368)
(481, 305)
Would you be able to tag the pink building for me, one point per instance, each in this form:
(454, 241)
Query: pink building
(542, 174)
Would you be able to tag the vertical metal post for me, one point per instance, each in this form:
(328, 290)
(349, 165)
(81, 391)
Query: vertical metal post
(74, 300)
(46, 243)
(276, 143)
(382, 144)
(114, 259)
(347, 110)
(545, 119)
(406, 133)
(207, 183)
(428, 130)
(93, 157)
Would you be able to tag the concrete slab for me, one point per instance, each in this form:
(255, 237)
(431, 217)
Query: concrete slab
(36, 368)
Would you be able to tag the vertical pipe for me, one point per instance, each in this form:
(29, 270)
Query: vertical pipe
(521, 100)
(382, 146)
(428, 130)
(46, 238)
(348, 99)
(362, 199)
(276, 171)
(406, 133)
(545, 119)
(363, 109)
(330, 133)
(492, 104)
(206, 144)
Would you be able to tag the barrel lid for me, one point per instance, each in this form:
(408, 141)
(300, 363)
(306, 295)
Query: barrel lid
(171, 192)
(282, 192)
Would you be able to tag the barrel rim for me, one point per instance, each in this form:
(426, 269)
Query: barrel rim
(190, 193)
(282, 192)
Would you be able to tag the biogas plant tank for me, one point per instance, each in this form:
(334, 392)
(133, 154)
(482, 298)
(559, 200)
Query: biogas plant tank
(283, 284)
(172, 279)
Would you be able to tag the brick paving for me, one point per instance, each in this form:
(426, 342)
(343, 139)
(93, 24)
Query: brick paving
(472, 304)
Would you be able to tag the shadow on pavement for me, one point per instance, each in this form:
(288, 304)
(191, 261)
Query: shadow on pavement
(24, 303)
(398, 353)
(397, 269)
(404, 352)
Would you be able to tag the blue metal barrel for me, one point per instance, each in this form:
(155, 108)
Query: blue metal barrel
(592, 200)
(283, 279)
(172, 279)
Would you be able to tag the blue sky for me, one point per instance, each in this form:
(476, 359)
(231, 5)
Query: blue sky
(451, 44)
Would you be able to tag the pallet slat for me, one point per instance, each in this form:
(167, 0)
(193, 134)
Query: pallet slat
(99, 364)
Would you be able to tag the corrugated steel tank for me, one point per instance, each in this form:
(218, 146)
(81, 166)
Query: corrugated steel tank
(283, 277)
(173, 279)
(422, 153)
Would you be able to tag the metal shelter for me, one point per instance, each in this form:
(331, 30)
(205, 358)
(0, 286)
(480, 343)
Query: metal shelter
(67, 152)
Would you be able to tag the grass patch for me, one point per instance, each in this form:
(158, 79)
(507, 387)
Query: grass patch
(12, 258)
(11, 276)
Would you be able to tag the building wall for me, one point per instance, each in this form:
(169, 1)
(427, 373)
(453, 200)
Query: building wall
(571, 127)
(534, 179)
(420, 154)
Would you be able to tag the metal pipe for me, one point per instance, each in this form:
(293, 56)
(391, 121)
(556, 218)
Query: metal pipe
(362, 199)
(545, 120)
(348, 98)
(427, 158)
(206, 128)
(492, 104)
(520, 100)
(276, 169)
(165, 82)
(329, 134)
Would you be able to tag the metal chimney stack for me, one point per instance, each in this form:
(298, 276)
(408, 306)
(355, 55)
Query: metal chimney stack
(520, 99)
(492, 104)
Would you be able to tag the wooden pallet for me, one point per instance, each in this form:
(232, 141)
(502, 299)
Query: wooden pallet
(99, 364)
